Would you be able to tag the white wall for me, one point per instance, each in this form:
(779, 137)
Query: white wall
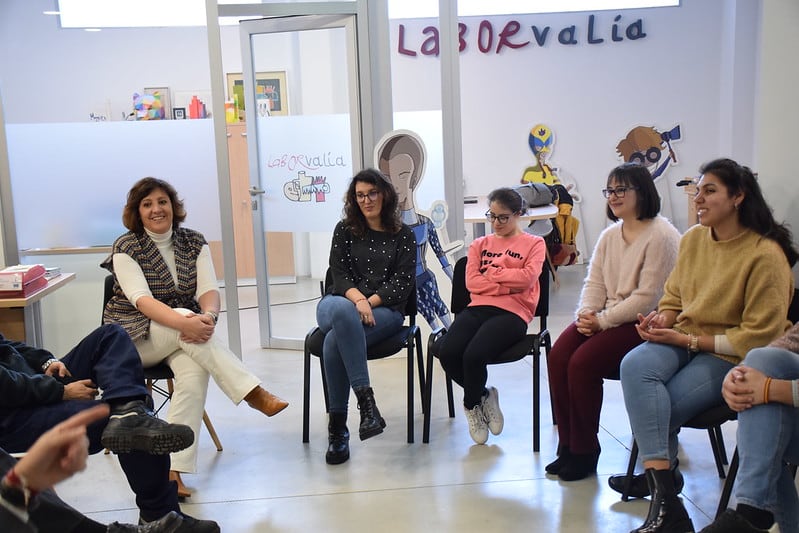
(591, 95)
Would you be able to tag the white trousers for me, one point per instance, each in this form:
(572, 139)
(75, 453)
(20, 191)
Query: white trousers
(192, 364)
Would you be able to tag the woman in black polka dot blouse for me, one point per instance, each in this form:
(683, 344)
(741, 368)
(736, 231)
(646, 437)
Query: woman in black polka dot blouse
(373, 265)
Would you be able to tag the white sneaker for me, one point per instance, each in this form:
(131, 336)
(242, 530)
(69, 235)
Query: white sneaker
(477, 424)
(492, 412)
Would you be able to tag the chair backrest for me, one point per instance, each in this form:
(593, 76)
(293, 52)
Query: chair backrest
(108, 293)
(461, 298)
(793, 309)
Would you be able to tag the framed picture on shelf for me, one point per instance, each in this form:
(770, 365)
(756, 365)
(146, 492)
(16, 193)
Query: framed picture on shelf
(166, 101)
(178, 113)
(271, 92)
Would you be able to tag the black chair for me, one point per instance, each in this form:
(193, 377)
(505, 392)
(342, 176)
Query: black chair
(710, 420)
(530, 345)
(409, 338)
(159, 372)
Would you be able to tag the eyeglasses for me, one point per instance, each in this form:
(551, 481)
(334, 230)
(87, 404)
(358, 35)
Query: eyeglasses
(650, 157)
(618, 191)
(502, 219)
(372, 195)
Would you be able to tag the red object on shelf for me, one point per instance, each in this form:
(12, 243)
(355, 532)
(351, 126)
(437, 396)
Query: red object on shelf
(27, 289)
(195, 107)
(14, 278)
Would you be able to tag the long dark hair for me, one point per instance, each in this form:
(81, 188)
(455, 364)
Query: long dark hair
(753, 212)
(389, 211)
(647, 203)
(141, 189)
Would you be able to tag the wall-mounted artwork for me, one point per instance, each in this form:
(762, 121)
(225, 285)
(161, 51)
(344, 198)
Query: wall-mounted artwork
(271, 93)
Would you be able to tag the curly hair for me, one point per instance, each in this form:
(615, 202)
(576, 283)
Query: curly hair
(753, 211)
(389, 212)
(140, 190)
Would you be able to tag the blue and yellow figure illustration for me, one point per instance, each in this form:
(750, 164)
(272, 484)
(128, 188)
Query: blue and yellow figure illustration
(540, 141)
(401, 156)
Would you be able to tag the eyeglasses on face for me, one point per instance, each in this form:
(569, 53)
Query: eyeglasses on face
(502, 219)
(372, 195)
(618, 191)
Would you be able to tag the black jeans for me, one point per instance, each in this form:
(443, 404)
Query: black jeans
(477, 337)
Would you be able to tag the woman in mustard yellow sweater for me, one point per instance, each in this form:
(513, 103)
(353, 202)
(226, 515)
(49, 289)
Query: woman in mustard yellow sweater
(728, 293)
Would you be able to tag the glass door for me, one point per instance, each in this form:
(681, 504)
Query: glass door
(303, 150)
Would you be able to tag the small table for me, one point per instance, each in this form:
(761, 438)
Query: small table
(21, 318)
(475, 214)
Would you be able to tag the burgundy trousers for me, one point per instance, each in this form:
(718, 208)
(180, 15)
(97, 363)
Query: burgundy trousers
(577, 366)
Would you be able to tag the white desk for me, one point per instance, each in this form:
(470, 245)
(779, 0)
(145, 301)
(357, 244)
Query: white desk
(475, 214)
(21, 318)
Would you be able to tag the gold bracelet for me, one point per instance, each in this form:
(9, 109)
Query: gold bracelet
(765, 390)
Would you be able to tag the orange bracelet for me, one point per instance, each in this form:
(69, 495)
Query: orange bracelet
(765, 390)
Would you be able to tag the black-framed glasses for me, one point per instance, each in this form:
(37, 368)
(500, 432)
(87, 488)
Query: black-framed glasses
(618, 191)
(372, 195)
(502, 219)
(650, 157)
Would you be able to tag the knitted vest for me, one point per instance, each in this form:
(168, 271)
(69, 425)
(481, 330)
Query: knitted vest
(143, 250)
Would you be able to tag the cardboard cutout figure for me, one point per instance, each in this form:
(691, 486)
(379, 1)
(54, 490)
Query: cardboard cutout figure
(401, 155)
(645, 145)
(569, 234)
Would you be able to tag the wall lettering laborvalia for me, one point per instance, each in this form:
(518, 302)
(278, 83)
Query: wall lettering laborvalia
(491, 39)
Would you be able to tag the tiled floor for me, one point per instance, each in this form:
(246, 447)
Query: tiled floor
(266, 479)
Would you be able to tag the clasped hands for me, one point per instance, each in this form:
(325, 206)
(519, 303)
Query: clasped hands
(743, 387)
(587, 322)
(82, 389)
(197, 329)
(657, 327)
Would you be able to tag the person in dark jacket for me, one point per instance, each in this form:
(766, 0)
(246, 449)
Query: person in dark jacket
(27, 502)
(38, 391)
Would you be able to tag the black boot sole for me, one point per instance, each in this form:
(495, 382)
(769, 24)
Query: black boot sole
(337, 459)
(372, 431)
(160, 444)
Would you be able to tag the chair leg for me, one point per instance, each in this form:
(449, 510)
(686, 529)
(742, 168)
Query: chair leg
(726, 491)
(722, 449)
(410, 392)
(427, 396)
(450, 398)
(715, 445)
(536, 399)
(212, 431)
(628, 480)
(306, 396)
(420, 366)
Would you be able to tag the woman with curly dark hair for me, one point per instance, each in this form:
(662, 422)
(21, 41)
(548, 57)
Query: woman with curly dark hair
(373, 268)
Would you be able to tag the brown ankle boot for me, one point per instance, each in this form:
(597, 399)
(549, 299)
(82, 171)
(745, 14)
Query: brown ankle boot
(183, 492)
(266, 402)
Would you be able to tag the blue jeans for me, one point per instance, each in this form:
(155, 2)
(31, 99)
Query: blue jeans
(664, 387)
(768, 435)
(346, 339)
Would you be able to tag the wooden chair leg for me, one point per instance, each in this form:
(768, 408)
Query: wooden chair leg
(212, 431)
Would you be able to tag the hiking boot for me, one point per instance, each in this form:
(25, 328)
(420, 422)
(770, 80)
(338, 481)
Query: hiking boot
(133, 428)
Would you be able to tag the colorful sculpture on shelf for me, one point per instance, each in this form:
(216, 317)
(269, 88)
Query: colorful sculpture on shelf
(401, 156)
(148, 106)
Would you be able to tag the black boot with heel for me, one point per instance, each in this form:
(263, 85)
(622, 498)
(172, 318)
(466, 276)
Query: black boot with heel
(371, 422)
(338, 437)
(666, 512)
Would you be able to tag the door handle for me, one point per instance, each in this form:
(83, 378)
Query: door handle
(255, 191)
